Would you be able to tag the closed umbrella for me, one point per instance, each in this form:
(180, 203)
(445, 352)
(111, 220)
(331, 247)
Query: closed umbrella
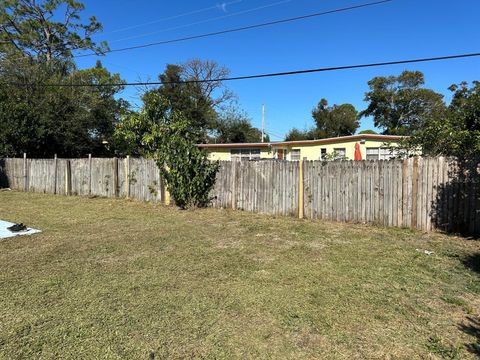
(358, 153)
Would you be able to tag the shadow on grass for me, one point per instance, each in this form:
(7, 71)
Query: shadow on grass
(3, 176)
(472, 262)
(472, 328)
(472, 325)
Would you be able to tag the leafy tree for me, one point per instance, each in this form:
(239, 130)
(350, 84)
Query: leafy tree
(200, 102)
(46, 29)
(457, 131)
(400, 105)
(37, 42)
(336, 120)
(368, 132)
(235, 127)
(330, 121)
(68, 121)
(168, 136)
(297, 135)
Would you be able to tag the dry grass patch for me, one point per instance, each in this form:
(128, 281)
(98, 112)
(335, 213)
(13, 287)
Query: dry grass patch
(117, 279)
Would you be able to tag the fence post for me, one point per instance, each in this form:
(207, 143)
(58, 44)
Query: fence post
(234, 184)
(127, 176)
(25, 175)
(89, 174)
(300, 189)
(414, 192)
(55, 168)
(68, 178)
(115, 177)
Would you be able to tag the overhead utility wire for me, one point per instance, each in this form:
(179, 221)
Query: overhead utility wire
(258, 76)
(193, 12)
(202, 21)
(249, 27)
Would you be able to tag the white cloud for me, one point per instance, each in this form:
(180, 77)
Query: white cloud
(223, 7)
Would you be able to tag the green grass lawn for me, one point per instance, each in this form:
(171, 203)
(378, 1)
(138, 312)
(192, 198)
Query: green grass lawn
(116, 279)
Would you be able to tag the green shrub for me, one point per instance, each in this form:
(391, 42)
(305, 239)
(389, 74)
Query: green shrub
(170, 138)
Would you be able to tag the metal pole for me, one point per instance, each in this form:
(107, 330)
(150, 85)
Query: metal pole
(263, 123)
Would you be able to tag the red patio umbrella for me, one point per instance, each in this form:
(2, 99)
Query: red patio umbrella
(358, 153)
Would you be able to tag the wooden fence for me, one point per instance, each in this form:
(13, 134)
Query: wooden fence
(129, 177)
(421, 193)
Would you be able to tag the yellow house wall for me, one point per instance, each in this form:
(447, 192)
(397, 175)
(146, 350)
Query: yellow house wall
(312, 152)
(218, 154)
(307, 152)
(224, 154)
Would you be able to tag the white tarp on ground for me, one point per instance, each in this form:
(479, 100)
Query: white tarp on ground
(5, 233)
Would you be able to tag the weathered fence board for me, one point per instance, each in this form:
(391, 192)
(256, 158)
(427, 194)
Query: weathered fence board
(81, 177)
(136, 178)
(422, 193)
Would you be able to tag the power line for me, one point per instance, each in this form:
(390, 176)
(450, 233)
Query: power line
(267, 75)
(274, 133)
(203, 21)
(216, 33)
(274, 136)
(193, 12)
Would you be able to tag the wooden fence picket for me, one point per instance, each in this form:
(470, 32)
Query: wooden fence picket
(422, 193)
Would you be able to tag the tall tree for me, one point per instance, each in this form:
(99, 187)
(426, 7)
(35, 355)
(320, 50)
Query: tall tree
(457, 131)
(68, 121)
(46, 29)
(368, 132)
(37, 42)
(219, 95)
(330, 121)
(200, 101)
(400, 105)
(336, 120)
(234, 126)
(297, 135)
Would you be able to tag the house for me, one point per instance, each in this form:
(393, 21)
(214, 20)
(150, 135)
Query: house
(372, 147)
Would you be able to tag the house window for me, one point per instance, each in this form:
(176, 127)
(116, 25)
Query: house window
(373, 153)
(323, 154)
(235, 155)
(387, 153)
(381, 153)
(340, 153)
(244, 154)
(295, 155)
(255, 154)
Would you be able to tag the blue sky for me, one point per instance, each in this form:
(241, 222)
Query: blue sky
(398, 30)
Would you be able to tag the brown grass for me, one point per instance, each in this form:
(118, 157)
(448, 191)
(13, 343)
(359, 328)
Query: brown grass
(118, 279)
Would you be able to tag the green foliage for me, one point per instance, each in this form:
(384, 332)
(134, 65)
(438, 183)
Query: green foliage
(336, 120)
(47, 29)
(199, 102)
(295, 135)
(333, 156)
(400, 105)
(368, 132)
(330, 121)
(298, 135)
(67, 121)
(168, 136)
(457, 131)
(36, 45)
(235, 127)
